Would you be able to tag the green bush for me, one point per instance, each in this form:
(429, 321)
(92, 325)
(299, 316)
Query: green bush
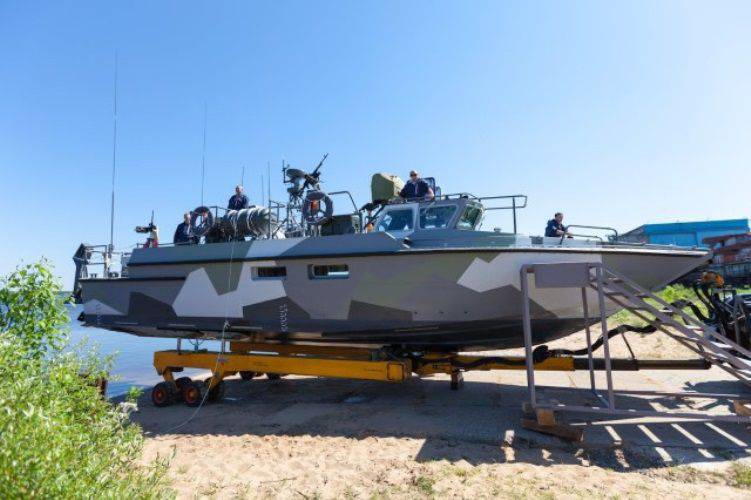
(58, 436)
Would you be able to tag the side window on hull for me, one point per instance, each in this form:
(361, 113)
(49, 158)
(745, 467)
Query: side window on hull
(269, 272)
(328, 271)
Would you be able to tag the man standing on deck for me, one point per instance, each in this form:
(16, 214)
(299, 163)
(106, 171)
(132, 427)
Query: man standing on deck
(416, 188)
(184, 232)
(238, 201)
(555, 226)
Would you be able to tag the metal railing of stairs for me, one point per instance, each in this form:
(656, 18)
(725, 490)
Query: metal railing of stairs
(609, 285)
(682, 327)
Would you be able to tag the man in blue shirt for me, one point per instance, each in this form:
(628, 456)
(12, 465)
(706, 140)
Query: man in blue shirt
(416, 188)
(238, 201)
(184, 232)
(555, 227)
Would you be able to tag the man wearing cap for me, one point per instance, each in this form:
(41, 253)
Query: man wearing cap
(238, 201)
(416, 188)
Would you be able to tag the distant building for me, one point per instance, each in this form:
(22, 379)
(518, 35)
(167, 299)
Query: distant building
(685, 234)
(732, 256)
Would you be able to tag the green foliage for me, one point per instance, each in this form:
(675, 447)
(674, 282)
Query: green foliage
(58, 436)
(669, 294)
(32, 311)
(133, 394)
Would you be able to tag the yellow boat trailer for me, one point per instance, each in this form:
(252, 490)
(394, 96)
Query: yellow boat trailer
(276, 360)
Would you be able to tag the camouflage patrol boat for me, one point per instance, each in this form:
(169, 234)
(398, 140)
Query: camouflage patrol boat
(419, 275)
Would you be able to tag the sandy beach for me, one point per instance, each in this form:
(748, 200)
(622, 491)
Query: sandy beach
(304, 437)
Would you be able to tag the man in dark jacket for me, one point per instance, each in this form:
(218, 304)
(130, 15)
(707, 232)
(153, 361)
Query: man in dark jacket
(555, 226)
(416, 188)
(238, 201)
(184, 232)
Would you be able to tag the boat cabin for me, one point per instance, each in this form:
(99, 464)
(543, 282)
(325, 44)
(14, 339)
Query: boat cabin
(446, 213)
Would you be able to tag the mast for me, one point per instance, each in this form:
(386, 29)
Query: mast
(203, 153)
(111, 247)
(268, 171)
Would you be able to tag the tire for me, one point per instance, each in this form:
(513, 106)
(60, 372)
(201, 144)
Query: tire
(216, 393)
(180, 384)
(162, 395)
(247, 375)
(274, 376)
(193, 394)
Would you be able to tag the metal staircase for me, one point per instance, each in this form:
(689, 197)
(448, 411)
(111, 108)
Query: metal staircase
(680, 326)
(609, 285)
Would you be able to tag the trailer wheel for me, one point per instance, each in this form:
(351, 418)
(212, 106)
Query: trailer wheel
(181, 383)
(216, 393)
(162, 395)
(192, 394)
(275, 376)
(247, 375)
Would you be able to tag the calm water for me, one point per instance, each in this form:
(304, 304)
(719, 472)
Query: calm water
(134, 355)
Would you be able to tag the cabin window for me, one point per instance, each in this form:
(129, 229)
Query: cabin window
(269, 272)
(469, 218)
(436, 217)
(396, 220)
(328, 271)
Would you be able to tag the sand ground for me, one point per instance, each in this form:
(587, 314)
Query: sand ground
(304, 437)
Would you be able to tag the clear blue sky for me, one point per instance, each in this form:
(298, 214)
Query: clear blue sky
(616, 115)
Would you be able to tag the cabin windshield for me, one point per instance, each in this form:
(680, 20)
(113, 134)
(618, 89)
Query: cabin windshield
(396, 220)
(436, 216)
(469, 218)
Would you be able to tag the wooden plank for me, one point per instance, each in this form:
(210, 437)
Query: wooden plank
(545, 417)
(562, 431)
(740, 408)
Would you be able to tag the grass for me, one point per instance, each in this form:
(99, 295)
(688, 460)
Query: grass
(740, 475)
(669, 294)
(425, 485)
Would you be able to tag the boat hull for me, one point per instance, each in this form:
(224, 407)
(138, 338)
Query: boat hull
(449, 299)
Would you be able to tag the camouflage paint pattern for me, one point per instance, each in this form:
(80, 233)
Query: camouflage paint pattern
(462, 295)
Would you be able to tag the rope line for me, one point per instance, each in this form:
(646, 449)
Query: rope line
(225, 325)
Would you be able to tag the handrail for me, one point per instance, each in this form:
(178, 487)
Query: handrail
(481, 199)
(601, 228)
(354, 205)
(332, 193)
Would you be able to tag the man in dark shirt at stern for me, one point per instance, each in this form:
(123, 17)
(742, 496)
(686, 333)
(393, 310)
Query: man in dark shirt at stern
(184, 232)
(238, 201)
(555, 226)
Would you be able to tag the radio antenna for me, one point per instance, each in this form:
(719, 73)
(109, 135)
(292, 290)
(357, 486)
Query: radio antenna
(111, 247)
(242, 177)
(263, 191)
(268, 171)
(203, 153)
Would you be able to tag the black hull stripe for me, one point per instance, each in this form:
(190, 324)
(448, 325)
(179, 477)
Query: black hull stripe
(153, 278)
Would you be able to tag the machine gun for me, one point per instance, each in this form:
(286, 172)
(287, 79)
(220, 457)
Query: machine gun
(152, 241)
(305, 212)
